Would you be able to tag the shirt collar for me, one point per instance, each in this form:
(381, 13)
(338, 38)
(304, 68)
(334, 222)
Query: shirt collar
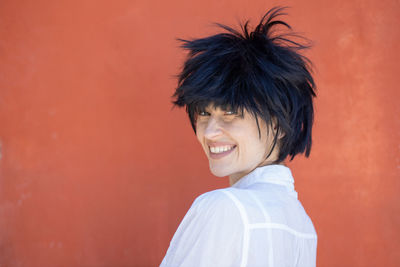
(275, 174)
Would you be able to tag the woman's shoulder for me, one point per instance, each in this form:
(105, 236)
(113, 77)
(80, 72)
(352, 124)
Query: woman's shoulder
(244, 203)
(218, 201)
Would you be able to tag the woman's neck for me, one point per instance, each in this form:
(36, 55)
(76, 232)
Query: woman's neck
(233, 178)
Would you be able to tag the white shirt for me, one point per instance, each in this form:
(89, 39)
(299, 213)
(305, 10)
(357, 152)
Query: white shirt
(258, 221)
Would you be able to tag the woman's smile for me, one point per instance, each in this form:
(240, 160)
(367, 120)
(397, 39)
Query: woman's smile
(217, 152)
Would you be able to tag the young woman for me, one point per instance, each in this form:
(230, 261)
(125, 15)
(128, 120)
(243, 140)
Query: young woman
(249, 97)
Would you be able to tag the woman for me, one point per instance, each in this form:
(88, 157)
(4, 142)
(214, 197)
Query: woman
(249, 97)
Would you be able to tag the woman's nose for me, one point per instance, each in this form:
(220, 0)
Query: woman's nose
(213, 129)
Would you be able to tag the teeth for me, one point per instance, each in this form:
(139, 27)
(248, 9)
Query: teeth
(220, 149)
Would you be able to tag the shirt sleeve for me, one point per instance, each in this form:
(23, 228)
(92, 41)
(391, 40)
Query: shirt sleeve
(210, 234)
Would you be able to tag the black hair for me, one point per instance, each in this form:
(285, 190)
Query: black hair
(259, 71)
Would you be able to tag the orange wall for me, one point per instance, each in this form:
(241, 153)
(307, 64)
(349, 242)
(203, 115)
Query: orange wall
(96, 170)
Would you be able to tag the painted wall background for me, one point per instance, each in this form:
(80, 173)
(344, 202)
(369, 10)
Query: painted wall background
(97, 170)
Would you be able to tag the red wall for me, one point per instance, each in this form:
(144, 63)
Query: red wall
(97, 170)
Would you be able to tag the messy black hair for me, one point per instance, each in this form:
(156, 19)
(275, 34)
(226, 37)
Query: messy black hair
(261, 72)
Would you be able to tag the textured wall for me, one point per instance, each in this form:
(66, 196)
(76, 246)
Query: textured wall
(97, 170)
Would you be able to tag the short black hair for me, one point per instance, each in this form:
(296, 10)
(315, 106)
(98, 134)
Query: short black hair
(260, 71)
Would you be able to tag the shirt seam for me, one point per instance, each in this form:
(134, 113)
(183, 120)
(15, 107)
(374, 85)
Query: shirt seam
(246, 232)
(283, 227)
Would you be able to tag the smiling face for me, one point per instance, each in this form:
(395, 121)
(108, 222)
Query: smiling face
(232, 143)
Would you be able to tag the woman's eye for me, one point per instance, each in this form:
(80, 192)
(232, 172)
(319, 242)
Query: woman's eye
(230, 112)
(203, 113)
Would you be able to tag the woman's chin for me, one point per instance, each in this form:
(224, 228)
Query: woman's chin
(219, 172)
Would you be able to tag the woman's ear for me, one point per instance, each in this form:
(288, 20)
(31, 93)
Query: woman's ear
(280, 133)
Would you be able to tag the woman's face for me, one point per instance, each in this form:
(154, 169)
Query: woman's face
(232, 142)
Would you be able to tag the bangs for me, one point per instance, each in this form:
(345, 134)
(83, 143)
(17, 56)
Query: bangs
(236, 96)
(198, 107)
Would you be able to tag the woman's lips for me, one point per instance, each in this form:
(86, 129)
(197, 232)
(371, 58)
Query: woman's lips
(220, 154)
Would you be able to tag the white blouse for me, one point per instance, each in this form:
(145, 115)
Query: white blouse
(258, 221)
